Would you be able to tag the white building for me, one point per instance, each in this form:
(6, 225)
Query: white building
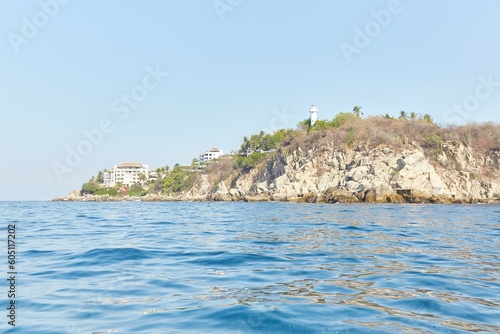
(127, 173)
(314, 114)
(109, 177)
(210, 155)
(153, 176)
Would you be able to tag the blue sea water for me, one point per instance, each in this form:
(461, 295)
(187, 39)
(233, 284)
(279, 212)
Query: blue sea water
(253, 268)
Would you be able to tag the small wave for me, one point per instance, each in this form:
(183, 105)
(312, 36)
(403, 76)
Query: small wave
(258, 268)
(353, 228)
(104, 256)
(35, 252)
(234, 259)
(89, 217)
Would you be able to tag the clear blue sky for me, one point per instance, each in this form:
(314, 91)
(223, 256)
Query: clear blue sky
(231, 73)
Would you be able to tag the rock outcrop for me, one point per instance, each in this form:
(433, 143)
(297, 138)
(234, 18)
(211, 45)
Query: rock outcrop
(380, 175)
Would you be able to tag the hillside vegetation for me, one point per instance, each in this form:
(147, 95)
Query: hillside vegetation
(264, 157)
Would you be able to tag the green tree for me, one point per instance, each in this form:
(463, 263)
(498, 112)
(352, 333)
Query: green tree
(304, 125)
(142, 177)
(340, 119)
(403, 115)
(179, 179)
(245, 145)
(263, 141)
(90, 187)
(428, 118)
(321, 124)
(357, 111)
(413, 116)
(247, 163)
(280, 135)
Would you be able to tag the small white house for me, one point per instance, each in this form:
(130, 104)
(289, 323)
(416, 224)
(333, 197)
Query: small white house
(153, 176)
(212, 154)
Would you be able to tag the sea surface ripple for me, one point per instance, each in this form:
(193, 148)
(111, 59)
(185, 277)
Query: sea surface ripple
(254, 268)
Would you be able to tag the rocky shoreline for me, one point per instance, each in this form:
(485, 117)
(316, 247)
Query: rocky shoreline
(330, 196)
(331, 175)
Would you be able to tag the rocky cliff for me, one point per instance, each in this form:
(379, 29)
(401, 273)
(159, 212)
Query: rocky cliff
(347, 160)
(327, 175)
(358, 175)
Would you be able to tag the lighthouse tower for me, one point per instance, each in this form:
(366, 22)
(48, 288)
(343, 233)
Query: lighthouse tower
(314, 114)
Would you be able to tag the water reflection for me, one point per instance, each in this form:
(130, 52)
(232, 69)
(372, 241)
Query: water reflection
(418, 270)
(280, 268)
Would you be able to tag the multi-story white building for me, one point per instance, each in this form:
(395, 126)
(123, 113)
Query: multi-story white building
(127, 173)
(210, 155)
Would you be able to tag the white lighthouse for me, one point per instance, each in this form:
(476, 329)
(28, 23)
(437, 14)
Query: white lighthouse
(314, 114)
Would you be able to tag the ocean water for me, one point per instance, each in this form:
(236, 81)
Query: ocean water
(253, 268)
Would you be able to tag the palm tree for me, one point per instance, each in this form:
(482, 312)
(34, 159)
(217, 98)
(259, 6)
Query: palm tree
(100, 177)
(142, 177)
(159, 174)
(413, 116)
(403, 115)
(357, 111)
(428, 119)
(253, 143)
(245, 145)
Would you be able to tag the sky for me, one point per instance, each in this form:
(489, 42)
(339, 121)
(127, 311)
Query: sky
(85, 85)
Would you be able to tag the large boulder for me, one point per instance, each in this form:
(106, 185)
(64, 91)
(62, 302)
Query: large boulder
(221, 193)
(280, 182)
(338, 195)
(415, 172)
(305, 198)
(263, 197)
(358, 173)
